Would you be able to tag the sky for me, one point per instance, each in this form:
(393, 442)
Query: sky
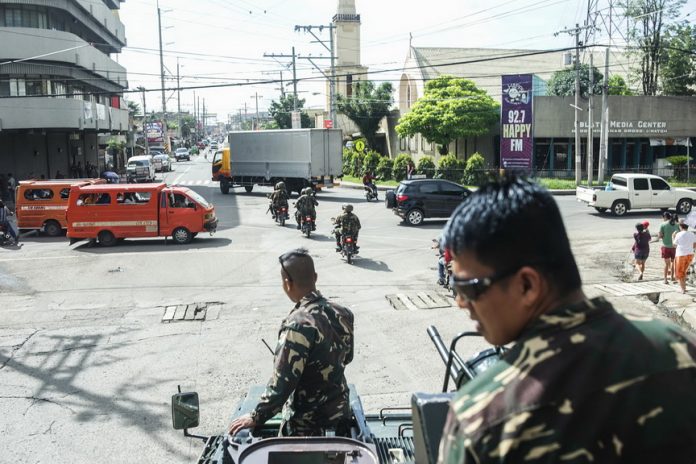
(224, 41)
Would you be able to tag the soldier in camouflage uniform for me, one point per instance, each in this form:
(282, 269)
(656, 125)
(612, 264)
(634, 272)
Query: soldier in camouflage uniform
(315, 343)
(347, 223)
(279, 198)
(305, 207)
(582, 383)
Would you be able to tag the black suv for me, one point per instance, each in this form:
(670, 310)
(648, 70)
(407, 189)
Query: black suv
(415, 200)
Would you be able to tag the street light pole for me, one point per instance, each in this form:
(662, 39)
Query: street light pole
(161, 54)
(578, 154)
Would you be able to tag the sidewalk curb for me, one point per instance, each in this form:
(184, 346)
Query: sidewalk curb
(382, 188)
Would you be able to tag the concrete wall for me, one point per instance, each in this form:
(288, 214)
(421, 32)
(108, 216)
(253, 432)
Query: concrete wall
(34, 154)
(35, 42)
(59, 113)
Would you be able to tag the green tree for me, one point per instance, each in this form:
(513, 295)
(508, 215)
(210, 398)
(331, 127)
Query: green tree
(401, 166)
(348, 161)
(133, 108)
(474, 172)
(618, 86)
(426, 165)
(281, 112)
(368, 105)
(451, 168)
(450, 108)
(384, 168)
(562, 83)
(648, 21)
(678, 73)
(371, 161)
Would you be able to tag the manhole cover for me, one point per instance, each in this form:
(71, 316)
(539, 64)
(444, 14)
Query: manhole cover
(419, 300)
(185, 312)
(638, 288)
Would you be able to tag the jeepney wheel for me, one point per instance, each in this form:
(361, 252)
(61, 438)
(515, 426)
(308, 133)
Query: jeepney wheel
(182, 236)
(106, 238)
(52, 228)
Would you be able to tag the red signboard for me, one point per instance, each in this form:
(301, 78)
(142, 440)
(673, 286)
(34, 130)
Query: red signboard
(328, 124)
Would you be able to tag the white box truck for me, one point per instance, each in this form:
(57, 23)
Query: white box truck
(298, 157)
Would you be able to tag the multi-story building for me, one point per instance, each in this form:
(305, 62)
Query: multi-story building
(60, 88)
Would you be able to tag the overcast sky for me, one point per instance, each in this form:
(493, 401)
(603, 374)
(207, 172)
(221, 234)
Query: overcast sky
(223, 41)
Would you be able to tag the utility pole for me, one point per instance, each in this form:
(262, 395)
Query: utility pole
(294, 73)
(161, 54)
(147, 145)
(178, 101)
(241, 127)
(332, 77)
(578, 154)
(590, 135)
(604, 135)
(257, 111)
(205, 120)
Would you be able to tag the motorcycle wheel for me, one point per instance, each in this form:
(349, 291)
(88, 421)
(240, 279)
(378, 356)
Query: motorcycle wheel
(349, 258)
(308, 231)
(282, 221)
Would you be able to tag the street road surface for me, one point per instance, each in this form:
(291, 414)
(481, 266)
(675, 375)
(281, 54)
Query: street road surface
(87, 368)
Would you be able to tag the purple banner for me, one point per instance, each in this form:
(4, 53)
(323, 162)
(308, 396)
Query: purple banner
(516, 140)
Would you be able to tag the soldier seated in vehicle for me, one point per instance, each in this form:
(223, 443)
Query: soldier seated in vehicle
(581, 382)
(315, 344)
(347, 223)
(306, 207)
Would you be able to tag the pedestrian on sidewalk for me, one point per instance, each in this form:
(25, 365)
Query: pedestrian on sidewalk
(667, 250)
(641, 248)
(685, 242)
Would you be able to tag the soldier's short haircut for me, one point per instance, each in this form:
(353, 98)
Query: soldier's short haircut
(298, 266)
(513, 222)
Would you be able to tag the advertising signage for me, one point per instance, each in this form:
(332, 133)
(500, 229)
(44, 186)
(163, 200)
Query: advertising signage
(516, 138)
(154, 132)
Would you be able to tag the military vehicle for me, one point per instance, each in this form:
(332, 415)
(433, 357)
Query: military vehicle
(390, 436)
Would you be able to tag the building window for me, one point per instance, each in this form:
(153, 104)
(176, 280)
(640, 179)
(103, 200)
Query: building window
(26, 16)
(349, 85)
(5, 88)
(17, 88)
(59, 89)
(34, 86)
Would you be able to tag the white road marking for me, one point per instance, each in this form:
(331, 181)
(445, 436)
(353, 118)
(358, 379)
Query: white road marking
(178, 179)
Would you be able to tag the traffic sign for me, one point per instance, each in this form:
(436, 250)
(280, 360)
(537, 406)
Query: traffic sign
(360, 145)
(328, 124)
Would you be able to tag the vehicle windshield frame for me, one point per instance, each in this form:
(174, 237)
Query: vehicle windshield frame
(198, 198)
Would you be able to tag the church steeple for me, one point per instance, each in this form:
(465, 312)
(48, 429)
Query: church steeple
(347, 34)
(345, 7)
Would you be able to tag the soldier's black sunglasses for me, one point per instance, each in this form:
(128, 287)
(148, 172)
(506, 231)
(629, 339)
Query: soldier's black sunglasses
(282, 266)
(472, 289)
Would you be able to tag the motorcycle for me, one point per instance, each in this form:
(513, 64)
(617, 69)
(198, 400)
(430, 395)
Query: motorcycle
(5, 237)
(371, 193)
(348, 249)
(307, 225)
(281, 214)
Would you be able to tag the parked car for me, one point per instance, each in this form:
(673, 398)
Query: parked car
(419, 199)
(162, 162)
(182, 153)
(636, 191)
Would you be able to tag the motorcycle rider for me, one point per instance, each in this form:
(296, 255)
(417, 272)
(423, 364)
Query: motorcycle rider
(305, 207)
(5, 214)
(368, 181)
(347, 223)
(279, 198)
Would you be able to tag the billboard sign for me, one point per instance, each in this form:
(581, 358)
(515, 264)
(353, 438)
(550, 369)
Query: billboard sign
(516, 138)
(154, 131)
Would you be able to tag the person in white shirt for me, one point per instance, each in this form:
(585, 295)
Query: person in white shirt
(685, 242)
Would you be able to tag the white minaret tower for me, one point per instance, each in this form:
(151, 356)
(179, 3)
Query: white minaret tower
(347, 45)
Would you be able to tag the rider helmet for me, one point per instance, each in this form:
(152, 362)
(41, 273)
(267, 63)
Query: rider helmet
(348, 208)
(280, 186)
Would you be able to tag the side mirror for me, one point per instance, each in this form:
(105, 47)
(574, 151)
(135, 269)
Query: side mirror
(185, 410)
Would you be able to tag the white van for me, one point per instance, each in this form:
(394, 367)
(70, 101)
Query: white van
(140, 169)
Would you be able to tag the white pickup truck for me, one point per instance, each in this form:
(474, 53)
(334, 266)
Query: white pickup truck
(636, 191)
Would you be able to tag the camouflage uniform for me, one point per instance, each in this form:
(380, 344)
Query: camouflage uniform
(347, 224)
(581, 384)
(315, 343)
(305, 207)
(279, 198)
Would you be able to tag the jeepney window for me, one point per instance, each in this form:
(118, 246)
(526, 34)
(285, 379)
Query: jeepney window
(177, 200)
(38, 194)
(133, 198)
(65, 193)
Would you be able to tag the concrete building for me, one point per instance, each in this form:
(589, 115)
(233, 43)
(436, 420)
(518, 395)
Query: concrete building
(60, 88)
(484, 67)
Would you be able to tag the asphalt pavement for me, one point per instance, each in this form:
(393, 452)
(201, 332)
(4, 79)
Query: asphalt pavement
(87, 367)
